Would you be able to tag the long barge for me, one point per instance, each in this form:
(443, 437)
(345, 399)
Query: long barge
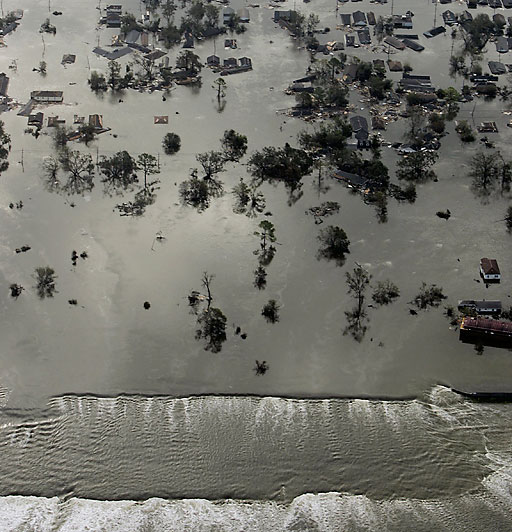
(487, 331)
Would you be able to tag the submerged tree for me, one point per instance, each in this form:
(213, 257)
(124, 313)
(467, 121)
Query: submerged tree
(267, 236)
(261, 367)
(335, 244)
(212, 163)
(260, 278)
(428, 296)
(5, 147)
(248, 200)
(97, 82)
(80, 170)
(271, 311)
(357, 283)
(220, 86)
(286, 164)
(16, 290)
(149, 166)
(385, 292)
(211, 320)
(508, 219)
(45, 279)
(234, 145)
(171, 143)
(189, 61)
(417, 166)
(119, 171)
(483, 170)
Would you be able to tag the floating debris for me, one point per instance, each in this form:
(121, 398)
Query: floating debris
(16, 290)
(147, 305)
(444, 214)
(23, 249)
(72, 301)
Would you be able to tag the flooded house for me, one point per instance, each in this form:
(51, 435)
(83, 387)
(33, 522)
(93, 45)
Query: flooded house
(243, 15)
(55, 121)
(349, 75)
(394, 42)
(395, 66)
(36, 119)
(230, 62)
(378, 123)
(352, 180)
(346, 19)
(480, 306)
(96, 121)
(465, 17)
(360, 130)
(402, 21)
(4, 84)
(416, 83)
(350, 41)
(434, 32)
(227, 15)
(364, 36)
(213, 61)
(245, 62)
(449, 17)
(288, 16)
(489, 270)
(502, 45)
(359, 18)
(46, 96)
(499, 19)
(413, 45)
(497, 68)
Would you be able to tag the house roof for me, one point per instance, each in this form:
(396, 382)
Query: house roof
(484, 303)
(4, 84)
(487, 324)
(352, 179)
(497, 68)
(489, 266)
(132, 36)
(46, 94)
(359, 17)
(413, 45)
(393, 41)
(358, 123)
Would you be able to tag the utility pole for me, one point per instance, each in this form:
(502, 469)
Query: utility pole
(435, 13)
(158, 160)
(22, 165)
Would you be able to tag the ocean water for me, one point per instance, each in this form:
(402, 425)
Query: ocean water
(220, 463)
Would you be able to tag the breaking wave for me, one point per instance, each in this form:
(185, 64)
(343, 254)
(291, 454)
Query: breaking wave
(218, 463)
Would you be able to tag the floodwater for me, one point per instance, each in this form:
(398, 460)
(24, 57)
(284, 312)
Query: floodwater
(109, 401)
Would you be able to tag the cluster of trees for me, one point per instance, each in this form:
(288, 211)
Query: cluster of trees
(488, 170)
(200, 19)
(358, 281)
(211, 320)
(287, 165)
(373, 78)
(328, 91)
(474, 36)
(119, 173)
(198, 191)
(5, 148)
